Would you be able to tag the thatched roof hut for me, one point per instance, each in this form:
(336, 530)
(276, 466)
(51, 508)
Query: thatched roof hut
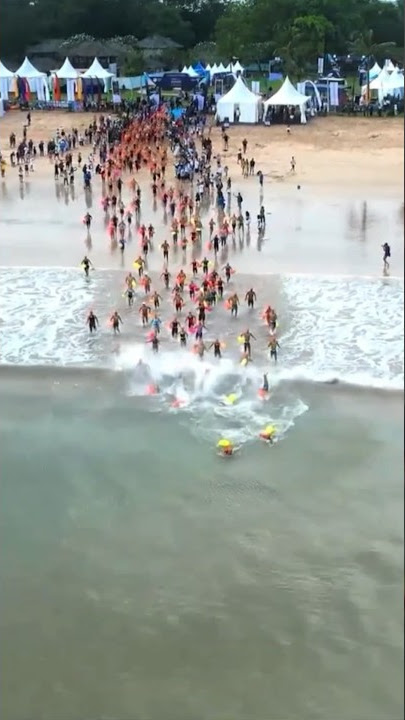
(154, 43)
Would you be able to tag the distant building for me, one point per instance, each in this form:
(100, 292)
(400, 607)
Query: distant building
(50, 54)
(156, 44)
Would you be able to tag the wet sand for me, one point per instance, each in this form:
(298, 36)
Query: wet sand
(349, 202)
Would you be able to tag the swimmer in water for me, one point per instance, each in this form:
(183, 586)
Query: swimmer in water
(217, 348)
(273, 346)
(247, 336)
(265, 386)
(154, 341)
(92, 321)
(200, 348)
(86, 264)
(183, 337)
(116, 321)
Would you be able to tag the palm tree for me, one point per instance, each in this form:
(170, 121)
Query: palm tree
(363, 44)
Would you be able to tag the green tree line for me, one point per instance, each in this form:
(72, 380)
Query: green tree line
(252, 30)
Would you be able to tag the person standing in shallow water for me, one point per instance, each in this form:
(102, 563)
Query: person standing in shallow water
(386, 254)
(92, 321)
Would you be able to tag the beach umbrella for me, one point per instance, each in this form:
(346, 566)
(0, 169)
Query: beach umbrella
(224, 443)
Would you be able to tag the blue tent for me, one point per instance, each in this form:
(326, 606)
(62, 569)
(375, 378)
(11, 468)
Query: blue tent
(199, 68)
(174, 80)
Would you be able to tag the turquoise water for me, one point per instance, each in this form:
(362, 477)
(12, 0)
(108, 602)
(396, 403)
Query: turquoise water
(144, 577)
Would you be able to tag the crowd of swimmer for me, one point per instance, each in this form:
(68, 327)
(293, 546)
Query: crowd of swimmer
(144, 146)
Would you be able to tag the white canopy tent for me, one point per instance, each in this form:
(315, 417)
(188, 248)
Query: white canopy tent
(237, 67)
(242, 99)
(36, 79)
(6, 77)
(381, 84)
(97, 72)
(221, 68)
(389, 66)
(374, 71)
(289, 96)
(191, 72)
(68, 73)
(185, 70)
(395, 85)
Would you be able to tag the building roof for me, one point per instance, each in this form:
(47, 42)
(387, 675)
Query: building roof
(94, 48)
(157, 42)
(45, 47)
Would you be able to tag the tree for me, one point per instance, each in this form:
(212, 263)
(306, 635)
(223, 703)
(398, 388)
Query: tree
(134, 63)
(308, 37)
(363, 44)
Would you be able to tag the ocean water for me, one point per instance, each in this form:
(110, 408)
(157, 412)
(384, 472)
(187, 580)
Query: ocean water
(145, 577)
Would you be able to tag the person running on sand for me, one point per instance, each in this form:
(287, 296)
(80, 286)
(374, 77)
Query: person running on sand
(144, 311)
(234, 303)
(250, 298)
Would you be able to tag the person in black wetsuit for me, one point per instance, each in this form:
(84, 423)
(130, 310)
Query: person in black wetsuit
(86, 264)
(92, 321)
(217, 348)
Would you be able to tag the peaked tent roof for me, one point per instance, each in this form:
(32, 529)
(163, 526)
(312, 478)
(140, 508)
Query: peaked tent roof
(240, 93)
(27, 70)
(221, 68)
(237, 67)
(381, 81)
(396, 80)
(287, 95)
(389, 65)
(191, 72)
(5, 72)
(374, 71)
(97, 71)
(67, 71)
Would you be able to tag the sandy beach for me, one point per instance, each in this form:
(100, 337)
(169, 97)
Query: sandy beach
(350, 173)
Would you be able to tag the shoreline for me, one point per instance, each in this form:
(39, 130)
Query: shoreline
(264, 274)
(82, 374)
